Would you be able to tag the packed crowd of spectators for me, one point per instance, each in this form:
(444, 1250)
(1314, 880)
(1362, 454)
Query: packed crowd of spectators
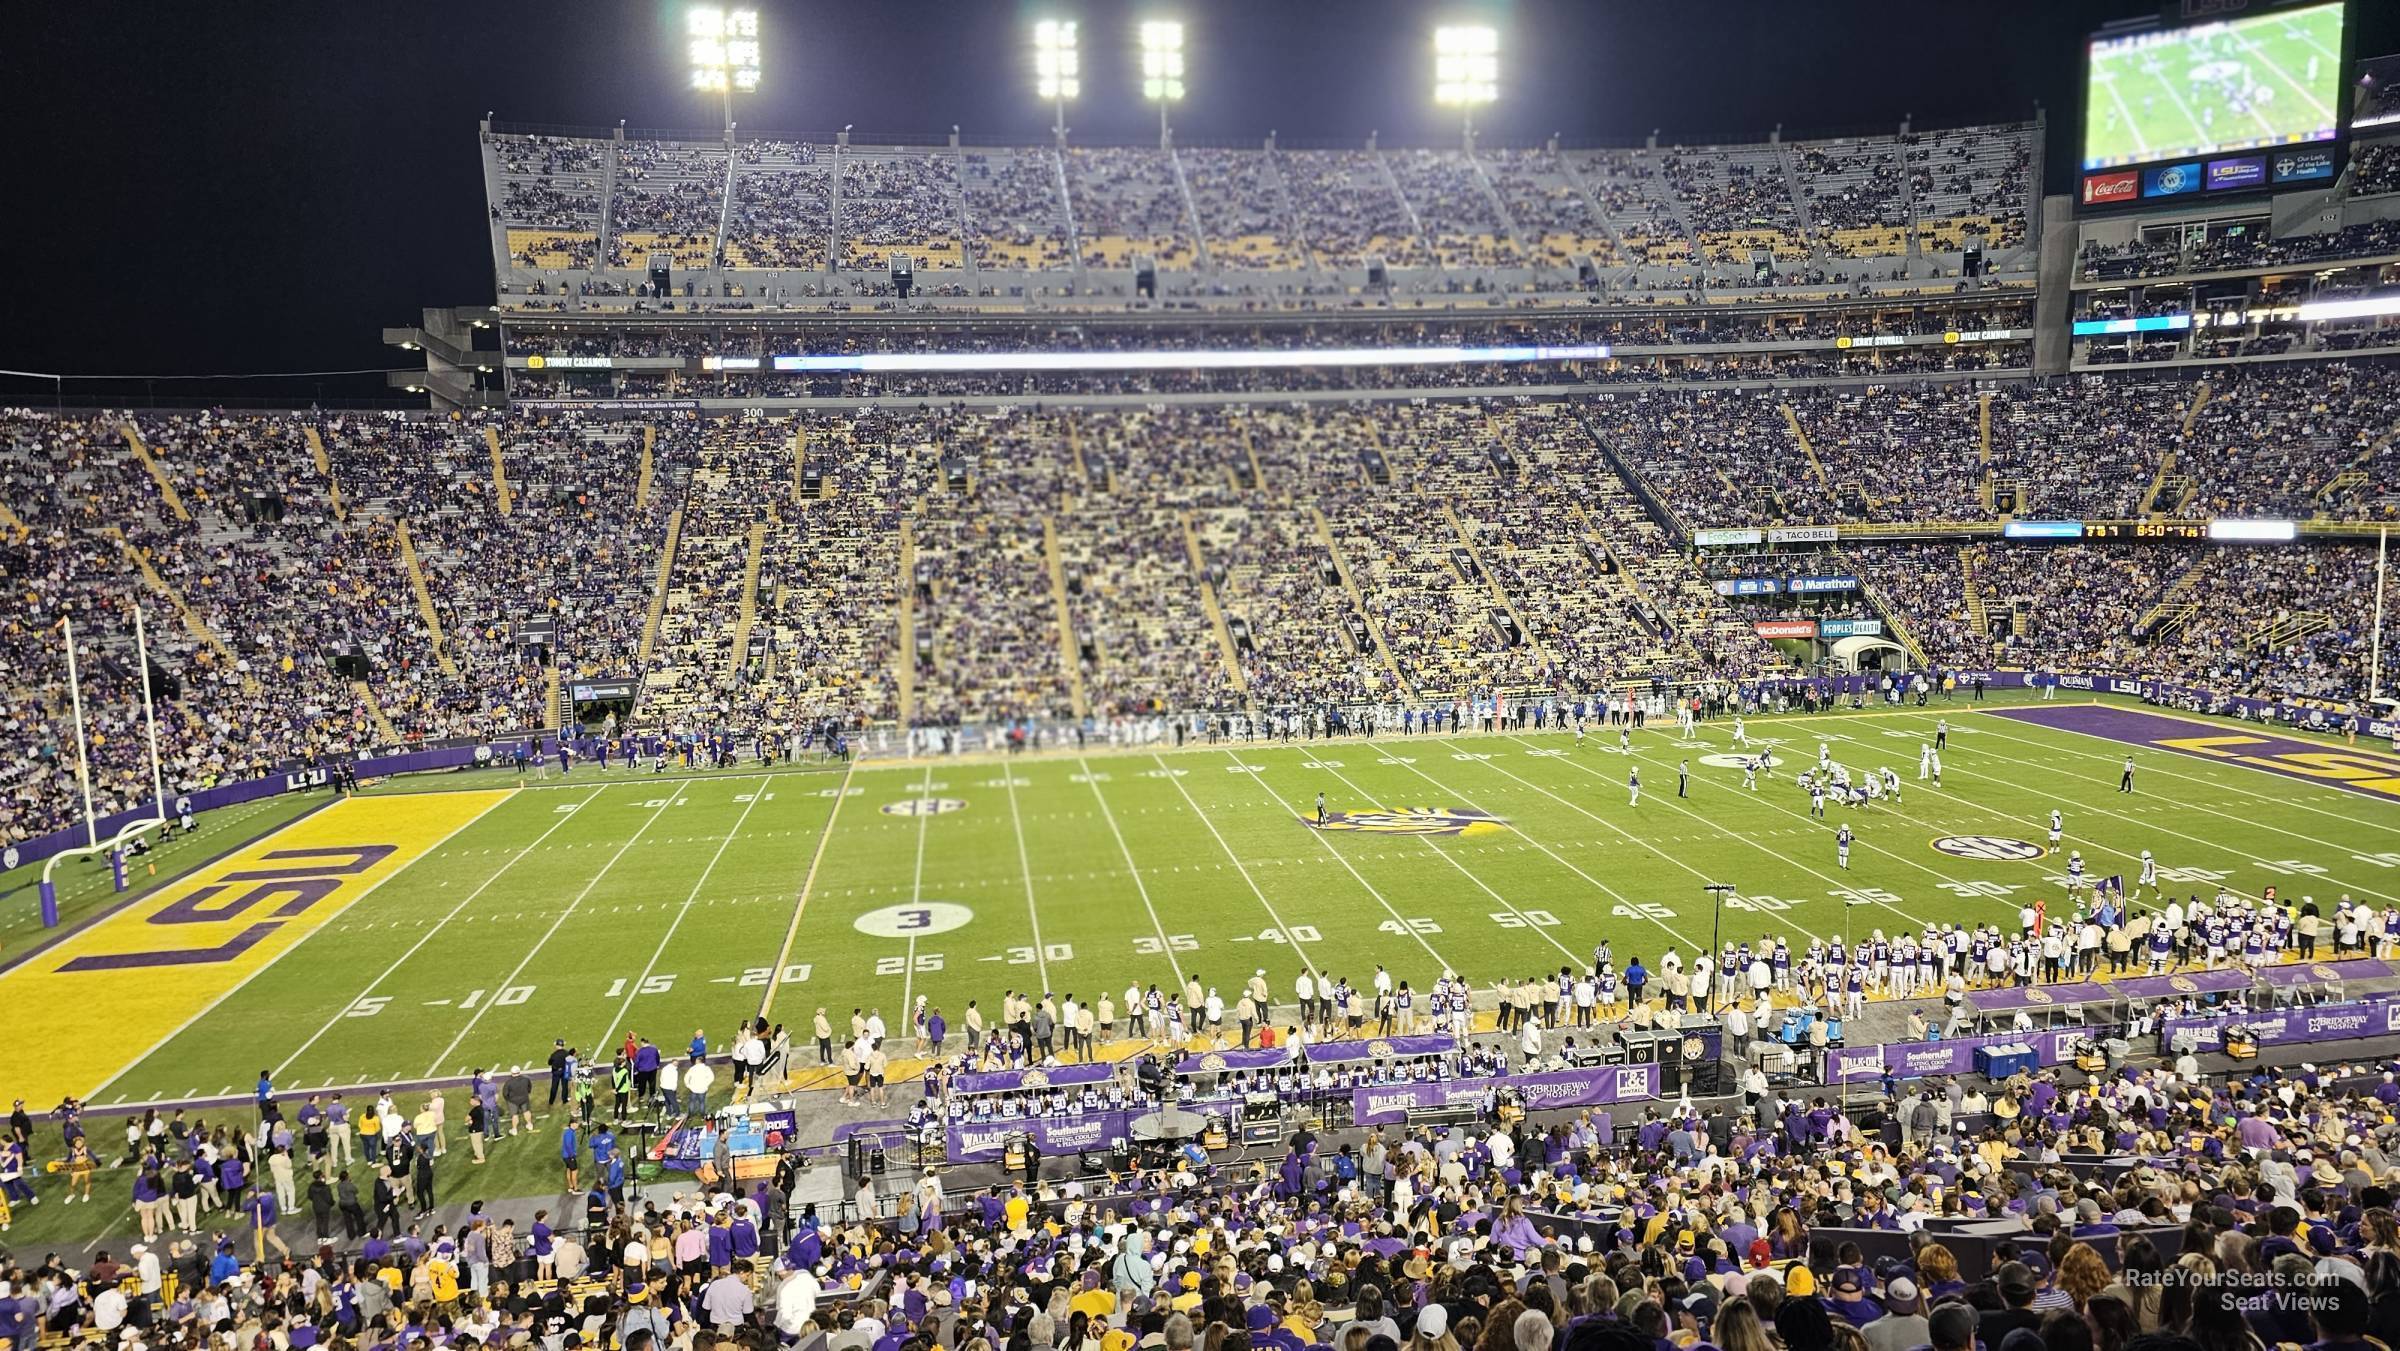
(1128, 205)
(2230, 248)
(1356, 554)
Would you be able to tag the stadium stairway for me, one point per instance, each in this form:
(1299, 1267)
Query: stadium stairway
(1068, 661)
(1893, 621)
(1976, 617)
(140, 562)
(1358, 601)
(641, 484)
(324, 463)
(658, 591)
(500, 493)
(2175, 607)
(1499, 593)
(1258, 475)
(1791, 419)
(375, 713)
(424, 594)
(904, 656)
(157, 471)
(748, 614)
(2284, 630)
(1210, 605)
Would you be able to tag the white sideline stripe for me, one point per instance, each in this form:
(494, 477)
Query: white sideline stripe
(702, 880)
(547, 934)
(2161, 761)
(1463, 869)
(364, 892)
(791, 932)
(1352, 869)
(916, 896)
(402, 959)
(1033, 914)
(1132, 870)
(1239, 867)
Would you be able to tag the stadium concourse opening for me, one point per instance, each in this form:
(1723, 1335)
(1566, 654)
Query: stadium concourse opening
(1034, 739)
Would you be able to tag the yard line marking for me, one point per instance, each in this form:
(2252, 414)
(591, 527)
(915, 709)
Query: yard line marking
(1521, 831)
(783, 955)
(1826, 828)
(398, 962)
(1347, 866)
(2329, 879)
(1719, 832)
(212, 1004)
(1025, 866)
(1132, 871)
(1239, 867)
(2161, 762)
(677, 922)
(1464, 871)
(547, 934)
(916, 896)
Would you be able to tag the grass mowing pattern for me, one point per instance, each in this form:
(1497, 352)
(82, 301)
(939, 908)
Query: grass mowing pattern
(588, 907)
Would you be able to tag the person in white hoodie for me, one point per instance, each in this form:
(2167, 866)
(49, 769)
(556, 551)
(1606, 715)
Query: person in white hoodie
(795, 1301)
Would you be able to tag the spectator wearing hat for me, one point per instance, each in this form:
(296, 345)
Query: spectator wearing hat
(1850, 1300)
(2015, 1283)
(1903, 1323)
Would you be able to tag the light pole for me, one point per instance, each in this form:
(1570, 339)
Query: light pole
(1057, 69)
(1466, 71)
(1162, 69)
(724, 51)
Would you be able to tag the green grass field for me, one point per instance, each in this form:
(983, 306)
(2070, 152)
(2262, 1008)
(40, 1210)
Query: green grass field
(586, 907)
(2248, 83)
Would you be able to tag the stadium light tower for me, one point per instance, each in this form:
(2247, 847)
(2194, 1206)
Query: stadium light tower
(1162, 68)
(1466, 69)
(1057, 68)
(723, 45)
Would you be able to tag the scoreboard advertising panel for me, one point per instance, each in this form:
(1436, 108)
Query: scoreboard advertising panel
(2248, 99)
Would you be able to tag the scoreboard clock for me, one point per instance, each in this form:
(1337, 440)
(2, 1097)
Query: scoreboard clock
(2145, 530)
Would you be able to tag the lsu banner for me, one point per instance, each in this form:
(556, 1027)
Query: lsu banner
(1226, 1061)
(81, 1013)
(1389, 1104)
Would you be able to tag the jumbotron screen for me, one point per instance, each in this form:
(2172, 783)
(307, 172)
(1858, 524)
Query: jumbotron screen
(2259, 82)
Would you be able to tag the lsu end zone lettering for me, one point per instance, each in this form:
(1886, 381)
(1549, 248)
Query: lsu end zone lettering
(83, 1012)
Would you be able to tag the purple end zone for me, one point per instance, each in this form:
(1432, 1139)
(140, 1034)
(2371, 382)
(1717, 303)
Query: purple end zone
(2370, 773)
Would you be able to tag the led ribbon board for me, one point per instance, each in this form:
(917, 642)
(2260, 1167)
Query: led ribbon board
(1253, 359)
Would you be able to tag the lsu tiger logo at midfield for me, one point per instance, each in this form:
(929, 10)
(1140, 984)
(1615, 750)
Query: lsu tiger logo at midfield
(1414, 821)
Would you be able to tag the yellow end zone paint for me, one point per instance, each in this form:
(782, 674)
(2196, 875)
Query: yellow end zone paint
(82, 1013)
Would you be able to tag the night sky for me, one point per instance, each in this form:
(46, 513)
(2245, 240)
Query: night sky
(261, 187)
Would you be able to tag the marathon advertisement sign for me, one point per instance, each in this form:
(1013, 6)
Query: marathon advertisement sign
(2374, 1017)
(987, 1141)
(1749, 586)
(1850, 628)
(1786, 628)
(2124, 185)
(1818, 586)
(2235, 173)
(1719, 539)
(1803, 534)
(2301, 166)
(1390, 1104)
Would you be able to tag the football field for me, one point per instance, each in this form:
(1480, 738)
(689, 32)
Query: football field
(403, 936)
(2248, 83)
